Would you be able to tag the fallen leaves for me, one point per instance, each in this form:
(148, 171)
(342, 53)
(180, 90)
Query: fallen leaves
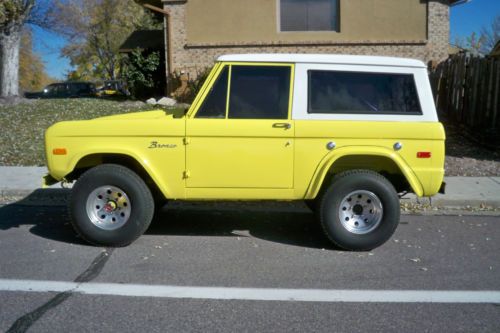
(23, 125)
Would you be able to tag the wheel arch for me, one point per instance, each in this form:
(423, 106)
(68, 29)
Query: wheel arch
(88, 161)
(379, 159)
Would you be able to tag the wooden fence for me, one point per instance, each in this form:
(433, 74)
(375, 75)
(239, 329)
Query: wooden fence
(467, 93)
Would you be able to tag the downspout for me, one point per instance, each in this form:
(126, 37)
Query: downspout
(168, 41)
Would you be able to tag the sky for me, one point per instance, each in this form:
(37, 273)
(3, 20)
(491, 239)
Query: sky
(471, 17)
(465, 19)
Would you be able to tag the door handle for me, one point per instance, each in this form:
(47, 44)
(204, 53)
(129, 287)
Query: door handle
(282, 125)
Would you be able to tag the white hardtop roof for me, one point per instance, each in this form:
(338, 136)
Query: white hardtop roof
(323, 59)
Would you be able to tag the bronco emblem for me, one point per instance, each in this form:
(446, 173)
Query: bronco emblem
(156, 144)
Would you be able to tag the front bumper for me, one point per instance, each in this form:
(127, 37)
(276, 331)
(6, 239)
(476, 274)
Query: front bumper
(48, 180)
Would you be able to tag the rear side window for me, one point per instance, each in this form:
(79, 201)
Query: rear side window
(332, 92)
(259, 92)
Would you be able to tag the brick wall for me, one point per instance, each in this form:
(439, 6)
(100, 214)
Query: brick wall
(195, 58)
(438, 31)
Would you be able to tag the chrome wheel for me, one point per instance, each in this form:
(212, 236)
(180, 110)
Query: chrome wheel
(108, 207)
(360, 212)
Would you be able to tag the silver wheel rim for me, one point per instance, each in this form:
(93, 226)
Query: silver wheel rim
(360, 212)
(108, 207)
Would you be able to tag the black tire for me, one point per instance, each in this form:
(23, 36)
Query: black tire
(139, 211)
(362, 183)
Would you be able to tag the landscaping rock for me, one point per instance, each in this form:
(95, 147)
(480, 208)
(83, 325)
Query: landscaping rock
(183, 106)
(165, 101)
(151, 101)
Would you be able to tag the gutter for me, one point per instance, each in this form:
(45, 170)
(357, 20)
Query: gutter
(459, 2)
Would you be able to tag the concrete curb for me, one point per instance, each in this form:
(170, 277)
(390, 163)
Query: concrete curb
(452, 203)
(478, 193)
(15, 193)
(58, 197)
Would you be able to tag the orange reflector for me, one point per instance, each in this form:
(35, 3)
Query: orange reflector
(59, 151)
(424, 154)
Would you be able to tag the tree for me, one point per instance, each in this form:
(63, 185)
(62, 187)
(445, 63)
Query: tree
(473, 43)
(139, 69)
(95, 30)
(13, 16)
(490, 35)
(32, 74)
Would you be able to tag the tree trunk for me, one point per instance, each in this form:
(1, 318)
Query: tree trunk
(9, 63)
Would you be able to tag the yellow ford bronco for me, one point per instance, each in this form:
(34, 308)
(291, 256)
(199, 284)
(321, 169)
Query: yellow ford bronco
(347, 134)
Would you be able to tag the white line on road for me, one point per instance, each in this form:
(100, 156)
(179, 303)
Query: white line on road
(255, 294)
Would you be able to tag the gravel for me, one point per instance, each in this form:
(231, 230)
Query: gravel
(467, 158)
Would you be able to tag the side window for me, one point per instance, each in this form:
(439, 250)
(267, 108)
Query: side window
(214, 105)
(259, 92)
(362, 93)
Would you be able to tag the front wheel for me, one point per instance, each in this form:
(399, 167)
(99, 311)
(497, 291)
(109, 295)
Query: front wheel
(110, 205)
(360, 210)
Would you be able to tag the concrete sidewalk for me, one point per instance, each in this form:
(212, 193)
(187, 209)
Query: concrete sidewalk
(461, 192)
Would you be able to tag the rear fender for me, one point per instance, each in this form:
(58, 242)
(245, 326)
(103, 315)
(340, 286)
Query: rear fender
(329, 160)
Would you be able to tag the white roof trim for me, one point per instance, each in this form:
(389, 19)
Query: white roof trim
(324, 59)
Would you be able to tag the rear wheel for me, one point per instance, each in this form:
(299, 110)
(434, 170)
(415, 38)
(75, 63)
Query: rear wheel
(111, 205)
(359, 210)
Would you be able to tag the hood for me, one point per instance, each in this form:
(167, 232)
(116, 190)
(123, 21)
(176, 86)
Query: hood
(150, 123)
(135, 115)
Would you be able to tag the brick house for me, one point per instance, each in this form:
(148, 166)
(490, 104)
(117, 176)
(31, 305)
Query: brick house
(197, 31)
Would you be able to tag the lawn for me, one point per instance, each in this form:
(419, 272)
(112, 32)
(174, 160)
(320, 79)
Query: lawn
(23, 126)
(22, 134)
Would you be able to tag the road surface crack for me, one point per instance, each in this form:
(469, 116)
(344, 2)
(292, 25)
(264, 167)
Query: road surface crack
(23, 323)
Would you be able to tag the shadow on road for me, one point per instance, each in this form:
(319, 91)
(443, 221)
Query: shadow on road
(45, 211)
(287, 223)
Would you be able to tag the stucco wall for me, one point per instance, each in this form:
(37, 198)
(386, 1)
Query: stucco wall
(193, 50)
(242, 21)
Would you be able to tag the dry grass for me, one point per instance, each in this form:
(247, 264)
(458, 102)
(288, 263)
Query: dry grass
(23, 125)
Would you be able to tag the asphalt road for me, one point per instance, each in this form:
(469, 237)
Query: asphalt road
(261, 248)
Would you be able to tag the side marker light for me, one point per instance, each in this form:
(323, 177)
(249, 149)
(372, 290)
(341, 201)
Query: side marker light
(424, 154)
(59, 151)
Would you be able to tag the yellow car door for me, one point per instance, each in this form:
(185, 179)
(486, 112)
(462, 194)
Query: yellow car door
(241, 135)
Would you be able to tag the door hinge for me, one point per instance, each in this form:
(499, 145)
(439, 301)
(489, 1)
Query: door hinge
(186, 141)
(186, 174)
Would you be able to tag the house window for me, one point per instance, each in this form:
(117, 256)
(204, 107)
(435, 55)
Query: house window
(309, 15)
(333, 92)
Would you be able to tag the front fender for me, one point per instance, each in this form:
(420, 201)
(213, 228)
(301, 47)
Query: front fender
(60, 170)
(328, 161)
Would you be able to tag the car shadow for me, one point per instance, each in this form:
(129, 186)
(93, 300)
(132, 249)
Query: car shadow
(45, 213)
(279, 222)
